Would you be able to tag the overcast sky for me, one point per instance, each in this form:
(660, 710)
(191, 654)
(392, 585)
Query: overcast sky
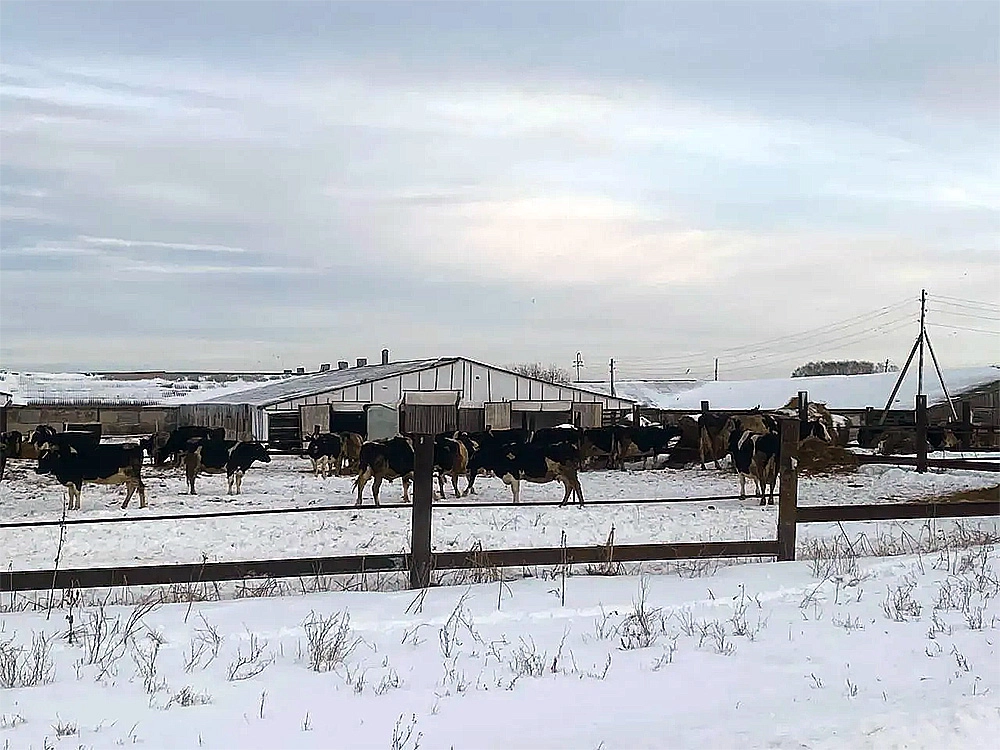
(248, 185)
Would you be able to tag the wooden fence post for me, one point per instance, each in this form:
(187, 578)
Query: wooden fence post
(635, 415)
(922, 433)
(423, 493)
(788, 491)
(966, 435)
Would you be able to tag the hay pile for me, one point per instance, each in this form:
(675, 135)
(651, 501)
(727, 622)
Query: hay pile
(819, 457)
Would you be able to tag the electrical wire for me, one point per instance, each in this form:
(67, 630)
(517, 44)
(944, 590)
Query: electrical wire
(811, 336)
(962, 328)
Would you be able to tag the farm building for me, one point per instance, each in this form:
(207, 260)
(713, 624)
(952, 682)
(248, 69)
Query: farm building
(416, 395)
(849, 395)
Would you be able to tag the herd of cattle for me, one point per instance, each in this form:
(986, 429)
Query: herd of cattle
(550, 454)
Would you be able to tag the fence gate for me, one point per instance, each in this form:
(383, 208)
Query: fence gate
(498, 414)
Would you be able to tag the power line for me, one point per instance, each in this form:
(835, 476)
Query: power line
(813, 333)
(963, 328)
(967, 315)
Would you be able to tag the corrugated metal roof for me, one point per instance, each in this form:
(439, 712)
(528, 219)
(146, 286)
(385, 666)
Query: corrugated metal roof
(301, 386)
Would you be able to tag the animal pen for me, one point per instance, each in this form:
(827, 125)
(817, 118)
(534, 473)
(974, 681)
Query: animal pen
(422, 560)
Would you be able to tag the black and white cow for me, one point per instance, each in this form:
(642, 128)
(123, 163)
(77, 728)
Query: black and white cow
(530, 462)
(100, 464)
(184, 439)
(647, 442)
(385, 459)
(231, 457)
(324, 449)
(45, 435)
(755, 455)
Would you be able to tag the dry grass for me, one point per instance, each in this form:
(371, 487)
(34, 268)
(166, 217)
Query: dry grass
(982, 494)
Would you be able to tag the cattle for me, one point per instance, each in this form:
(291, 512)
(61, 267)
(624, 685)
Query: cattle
(350, 450)
(531, 462)
(179, 443)
(99, 464)
(10, 447)
(711, 441)
(153, 444)
(647, 442)
(755, 455)
(214, 456)
(493, 449)
(385, 459)
(79, 441)
(451, 456)
(561, 434)
(601, 442)
(323, 449)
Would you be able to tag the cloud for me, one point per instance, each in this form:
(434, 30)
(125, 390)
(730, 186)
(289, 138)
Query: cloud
(653, 204)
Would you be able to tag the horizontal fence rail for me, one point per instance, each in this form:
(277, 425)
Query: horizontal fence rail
(188, 573)
(440, 505)
(896, 511)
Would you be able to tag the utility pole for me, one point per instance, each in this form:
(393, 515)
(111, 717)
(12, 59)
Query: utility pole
(716, 368)
(612, 377)
(923, 334)
(578, 363)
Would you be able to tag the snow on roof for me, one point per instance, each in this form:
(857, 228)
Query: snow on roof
(308, 385)
(844, 392)
(643, 392)
(79, 388)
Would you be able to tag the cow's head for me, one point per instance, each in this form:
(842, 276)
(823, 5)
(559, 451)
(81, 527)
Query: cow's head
(42, 434)
(258, 452)
(48, 458)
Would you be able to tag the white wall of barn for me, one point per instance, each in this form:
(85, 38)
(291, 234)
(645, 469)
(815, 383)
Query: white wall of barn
(477, 383)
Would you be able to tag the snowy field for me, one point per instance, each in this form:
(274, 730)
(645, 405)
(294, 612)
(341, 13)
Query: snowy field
(287, 482)
(841, 653)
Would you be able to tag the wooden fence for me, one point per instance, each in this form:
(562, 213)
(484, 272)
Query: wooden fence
(422, 560)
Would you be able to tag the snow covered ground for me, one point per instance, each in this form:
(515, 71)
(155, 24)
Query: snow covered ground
(287, 482)
(857, 653)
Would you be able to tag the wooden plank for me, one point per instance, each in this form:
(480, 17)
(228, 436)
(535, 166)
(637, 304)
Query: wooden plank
(896, 511)
(357, 564)
(190, 572)
(597, 554)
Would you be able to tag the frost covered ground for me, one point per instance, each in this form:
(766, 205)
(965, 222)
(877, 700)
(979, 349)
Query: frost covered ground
(287, 482)
(841, 652)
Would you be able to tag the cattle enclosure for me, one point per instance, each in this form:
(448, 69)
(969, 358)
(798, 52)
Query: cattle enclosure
(422, 560)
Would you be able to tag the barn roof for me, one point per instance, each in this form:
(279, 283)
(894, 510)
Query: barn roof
(838, 392)
(301, 386)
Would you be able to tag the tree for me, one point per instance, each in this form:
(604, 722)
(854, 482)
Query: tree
(842, 367)
(549, 373)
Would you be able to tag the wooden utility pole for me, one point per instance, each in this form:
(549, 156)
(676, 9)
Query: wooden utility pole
(612, 377)
(578, 363)
(921, 420)
(920, 361)
(423, 494)
(716, 368)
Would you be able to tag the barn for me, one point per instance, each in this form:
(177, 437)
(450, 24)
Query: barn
(423, 395)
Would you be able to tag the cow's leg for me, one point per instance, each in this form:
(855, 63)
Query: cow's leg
(440, 477)
(568, 490)
(743, 486)
(515, 486)
(129, 491)
(469, 488)
(230, 479)
(376, 484)
(406, 489)
(454, 484)
(74, 496)
(239, 481)
(315, 463)
(361, 481)
(142, 493)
